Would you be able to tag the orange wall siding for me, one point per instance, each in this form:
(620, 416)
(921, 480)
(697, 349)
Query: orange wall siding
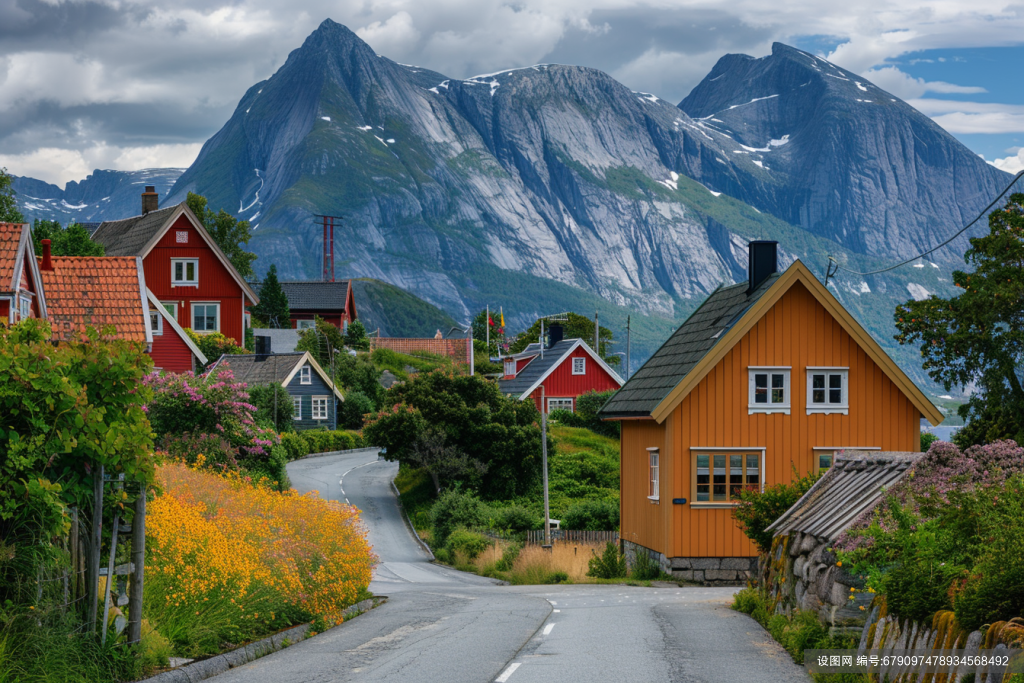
(642, 521)
(795, 332)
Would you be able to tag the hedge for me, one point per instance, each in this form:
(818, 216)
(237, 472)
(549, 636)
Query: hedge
(299, 444)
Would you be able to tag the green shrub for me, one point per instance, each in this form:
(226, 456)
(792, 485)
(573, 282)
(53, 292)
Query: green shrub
(609, 565)
(452, 510)
(747, 600)
(556, 577)
(515, 518)
(592, 515)
(277, 415)
(508, 557)
(757, 510)
(272, 467)
(356, 405)
(310, 441)
(567, 418)
(645, 567)
(927, 439)
(443, 555)
(469, 543)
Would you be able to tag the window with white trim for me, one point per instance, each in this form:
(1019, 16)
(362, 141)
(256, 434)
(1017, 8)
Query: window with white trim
(720, 477)
(559, 404)
(305, 324)
(319, 407)
(579, 366)
(26, 308)
(156, 323)
(205, 317)
(185, 272)
(654, 480)
(305, 375)
(769, 390)
(296, 407)
(510, 368)
(828, 390)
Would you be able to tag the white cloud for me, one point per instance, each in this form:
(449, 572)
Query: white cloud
(906, 87)
(972, 117)
(1014, 164)
(58, 166)
(389, 37)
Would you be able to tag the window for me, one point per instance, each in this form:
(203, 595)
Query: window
(828, 390)
(205, 317)
(305, 324)
(510, 368)
(559, 404)
(185, 272)
(825, 456)
(654, 489)
(579, 366)
(769, 390)
(171, 308)
(720, 477)
(305, 375)
(26, 308)
(319, 407)
(156, 322)
(296, 407)
(247, 320)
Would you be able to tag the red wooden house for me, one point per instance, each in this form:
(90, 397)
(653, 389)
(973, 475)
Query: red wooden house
(562, 371)
(191, 277)
(21, 294)
(332, 301)
(172, 350)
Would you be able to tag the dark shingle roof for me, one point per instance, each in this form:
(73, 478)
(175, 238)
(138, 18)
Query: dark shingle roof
(683, 350)
(129, 237)
(254, 370)
(320, 296)
(536, 368)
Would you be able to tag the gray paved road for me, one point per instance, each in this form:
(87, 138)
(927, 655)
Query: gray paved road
(445, 626)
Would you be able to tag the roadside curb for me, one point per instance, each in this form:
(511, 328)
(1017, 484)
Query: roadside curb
(408, 523)
(326, 453)
(218, 664)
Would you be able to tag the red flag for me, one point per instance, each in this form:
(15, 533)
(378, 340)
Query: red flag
(490, 321)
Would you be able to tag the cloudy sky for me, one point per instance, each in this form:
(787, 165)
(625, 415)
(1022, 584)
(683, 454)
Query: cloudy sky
(126, 84)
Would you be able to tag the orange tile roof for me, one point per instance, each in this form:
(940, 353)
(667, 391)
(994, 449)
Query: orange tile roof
(96, 291)
(10, 238)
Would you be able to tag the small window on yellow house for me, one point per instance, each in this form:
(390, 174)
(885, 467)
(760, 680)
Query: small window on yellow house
(722, 477)
(654, 480)
(825, 456)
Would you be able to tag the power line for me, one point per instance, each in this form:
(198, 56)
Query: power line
(981, 215)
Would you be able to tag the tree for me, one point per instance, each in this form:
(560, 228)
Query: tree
(8, 204)
(273, 406)
(577, 326)
(355, 336)
(475, 418)
(442, 461)
(499, 342)
(73, 240)
(273, 305)
(977, 337)
(227, 231)
(352, 411)
(324, 340)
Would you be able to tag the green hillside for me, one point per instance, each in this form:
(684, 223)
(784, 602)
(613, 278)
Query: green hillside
(397, 313)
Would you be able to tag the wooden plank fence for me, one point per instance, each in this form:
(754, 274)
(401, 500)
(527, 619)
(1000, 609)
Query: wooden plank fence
(536, 537)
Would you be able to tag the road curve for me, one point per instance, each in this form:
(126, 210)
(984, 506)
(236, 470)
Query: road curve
(444, 626)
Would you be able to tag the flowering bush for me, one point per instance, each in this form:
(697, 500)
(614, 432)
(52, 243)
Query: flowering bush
(228, 560)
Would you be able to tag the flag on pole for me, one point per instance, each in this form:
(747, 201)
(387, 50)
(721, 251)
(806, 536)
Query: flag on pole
(502, 314)
(490, 321)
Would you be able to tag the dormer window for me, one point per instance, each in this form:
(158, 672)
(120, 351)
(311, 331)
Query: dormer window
(769, 390)
(510, 368)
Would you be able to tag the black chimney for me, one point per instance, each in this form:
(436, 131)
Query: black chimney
(262, 345)
(150, 200)
(762, 262)
(555, 334)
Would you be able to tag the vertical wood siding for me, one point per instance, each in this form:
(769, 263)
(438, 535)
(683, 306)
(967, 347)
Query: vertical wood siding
(642, 520)
(795, 332)
(561, 383)
(170, 352)
(216, 283)
(306, 392)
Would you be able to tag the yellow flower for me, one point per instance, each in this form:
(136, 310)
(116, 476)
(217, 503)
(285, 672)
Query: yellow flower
(839, 564)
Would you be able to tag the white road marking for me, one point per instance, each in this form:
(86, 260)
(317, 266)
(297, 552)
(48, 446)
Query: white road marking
(547, 629)
(511, 669)
(556, 611)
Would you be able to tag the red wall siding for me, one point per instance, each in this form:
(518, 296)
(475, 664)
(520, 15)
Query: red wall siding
(561, 383)
(333, 317)
(216, 283)
(170, 352)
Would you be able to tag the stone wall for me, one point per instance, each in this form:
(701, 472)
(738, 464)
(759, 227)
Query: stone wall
(708, 571)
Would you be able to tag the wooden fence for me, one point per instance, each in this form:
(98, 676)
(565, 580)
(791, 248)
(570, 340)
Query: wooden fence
(569, 536)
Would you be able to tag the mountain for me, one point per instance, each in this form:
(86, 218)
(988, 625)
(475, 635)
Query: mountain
(392, 312)
(103, 195)
(847, 160)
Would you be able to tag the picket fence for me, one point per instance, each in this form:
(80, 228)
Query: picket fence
(536, 537)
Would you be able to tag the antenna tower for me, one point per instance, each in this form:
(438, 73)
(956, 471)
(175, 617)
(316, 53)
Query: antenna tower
(327, 274)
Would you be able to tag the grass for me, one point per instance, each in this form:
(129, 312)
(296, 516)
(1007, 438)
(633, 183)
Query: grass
(398, 363)
(535, 565)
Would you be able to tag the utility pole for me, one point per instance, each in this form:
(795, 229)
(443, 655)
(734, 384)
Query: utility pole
(544, 459)
(487, 330)
(542, 343)
(627, 347)
(597, 336)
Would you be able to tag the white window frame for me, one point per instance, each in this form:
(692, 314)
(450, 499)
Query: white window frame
(185, 282)
(305, 375)
(582, 362)
(192, 318)
(654, 474)
(25, 308)
(696, 451)
(305, 324)
(826, 408)
(156, 323)
(561, 404)
(296, 407)
(510, 364)
(832, 450)
(318, 403)
(787, 388)
(171, 308)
